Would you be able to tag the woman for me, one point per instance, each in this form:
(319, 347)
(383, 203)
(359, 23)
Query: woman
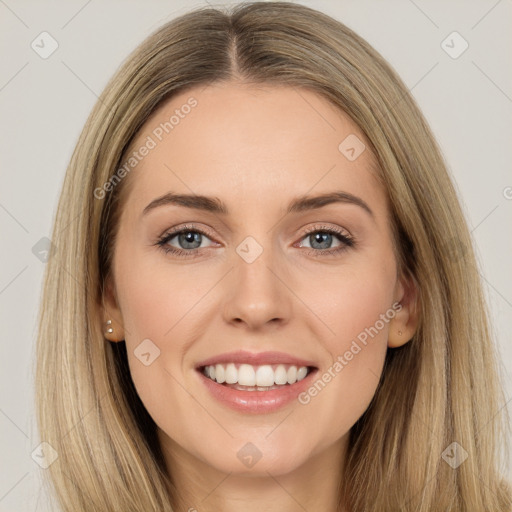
(264, 293)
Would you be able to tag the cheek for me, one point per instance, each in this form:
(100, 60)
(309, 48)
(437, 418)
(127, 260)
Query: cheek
(357, 308)
(155, 297)
(159, 305)
(353, 299)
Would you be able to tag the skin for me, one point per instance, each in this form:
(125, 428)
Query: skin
(268, 145)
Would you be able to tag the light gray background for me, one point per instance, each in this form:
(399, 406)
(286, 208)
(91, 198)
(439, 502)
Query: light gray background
(44, 104)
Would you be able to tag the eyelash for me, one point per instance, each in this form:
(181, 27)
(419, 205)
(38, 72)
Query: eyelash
(347, 241)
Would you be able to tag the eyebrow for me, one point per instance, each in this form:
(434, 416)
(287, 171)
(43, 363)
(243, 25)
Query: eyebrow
(215, 205)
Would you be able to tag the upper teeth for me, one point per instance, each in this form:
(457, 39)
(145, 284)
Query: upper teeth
(248, 375)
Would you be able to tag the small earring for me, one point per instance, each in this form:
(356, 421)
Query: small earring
(109, 330)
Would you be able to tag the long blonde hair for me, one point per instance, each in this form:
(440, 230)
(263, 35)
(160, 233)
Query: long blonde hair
(88, 410)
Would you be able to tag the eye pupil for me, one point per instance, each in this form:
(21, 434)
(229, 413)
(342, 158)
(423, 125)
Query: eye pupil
(323, 238)
(189, 237)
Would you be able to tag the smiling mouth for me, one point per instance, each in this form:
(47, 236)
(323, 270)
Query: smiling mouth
(246, 377)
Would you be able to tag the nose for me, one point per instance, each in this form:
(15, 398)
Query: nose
(257, 293)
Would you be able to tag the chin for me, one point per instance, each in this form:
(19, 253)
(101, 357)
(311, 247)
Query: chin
(259, 457)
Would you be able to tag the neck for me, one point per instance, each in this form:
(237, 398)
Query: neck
(202, 488)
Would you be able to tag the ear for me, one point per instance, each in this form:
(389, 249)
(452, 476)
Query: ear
(405, 322)
(113, 328)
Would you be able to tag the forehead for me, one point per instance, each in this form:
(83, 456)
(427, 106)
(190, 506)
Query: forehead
(250, 143)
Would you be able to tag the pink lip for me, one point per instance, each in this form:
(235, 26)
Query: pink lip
(255, 359)
(256, 402)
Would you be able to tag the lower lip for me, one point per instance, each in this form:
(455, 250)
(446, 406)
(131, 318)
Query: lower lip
(257, 402)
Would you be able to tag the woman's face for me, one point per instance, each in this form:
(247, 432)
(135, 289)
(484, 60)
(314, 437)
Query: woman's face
(273, 273)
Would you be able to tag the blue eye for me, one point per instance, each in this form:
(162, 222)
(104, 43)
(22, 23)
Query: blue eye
(324, 238)
(321, 238)
(189, 238)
